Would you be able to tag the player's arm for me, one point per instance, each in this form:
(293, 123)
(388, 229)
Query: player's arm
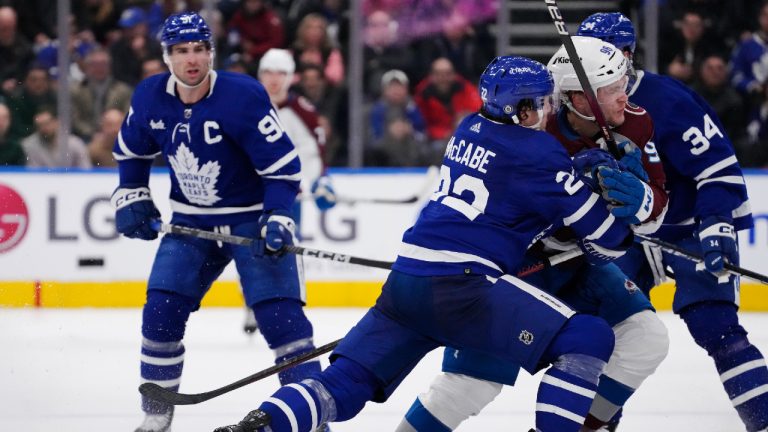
(311, 134)
(134, 150)
(558, 191)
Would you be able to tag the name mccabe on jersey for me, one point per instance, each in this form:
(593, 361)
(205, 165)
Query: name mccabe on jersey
(471, 155)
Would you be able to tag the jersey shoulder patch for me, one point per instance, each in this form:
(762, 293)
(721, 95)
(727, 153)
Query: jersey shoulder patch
(634, 109)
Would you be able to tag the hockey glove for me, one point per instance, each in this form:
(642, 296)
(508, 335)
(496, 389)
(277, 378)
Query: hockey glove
(322, 190)
(718, 242)
(631, 198)
(632, 161)
(134, 211)
(277, 228)
(586, 163)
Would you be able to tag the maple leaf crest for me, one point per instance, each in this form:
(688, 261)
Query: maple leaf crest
(198, 183)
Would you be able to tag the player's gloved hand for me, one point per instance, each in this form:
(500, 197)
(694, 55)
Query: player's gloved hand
(718, 242)
(134, 211)
(322, 190)
(631, 199)
(586, 163)
(277, 230)
(632, 161)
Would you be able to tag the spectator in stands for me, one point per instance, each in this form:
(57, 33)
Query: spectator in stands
(713, 86)
(15, 51)
(26, 100)
(396, 128)
(255, 28)
(37, 19)
(134, 46)
(152, 66)
(382, 52)
(10, 149)
(444, 99)
(100, 17)
(313, 45)
(96, 94)
(682, 56)
(100, 147)
(749, 63)
(330, 104)
(43, 147)
(467, 48)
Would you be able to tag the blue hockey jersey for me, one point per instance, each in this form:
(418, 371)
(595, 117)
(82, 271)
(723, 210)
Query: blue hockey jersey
(748, 70)
(228, 154)
(703, 175)
(502, 187)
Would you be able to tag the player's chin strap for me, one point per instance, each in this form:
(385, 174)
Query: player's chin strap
(567, 103)
(537, 125)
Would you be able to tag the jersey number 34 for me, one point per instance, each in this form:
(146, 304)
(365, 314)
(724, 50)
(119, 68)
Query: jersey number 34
(700, 141)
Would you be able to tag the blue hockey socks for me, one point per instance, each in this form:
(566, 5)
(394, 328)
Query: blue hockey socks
(741, 366)
(162, 352)
(289, 333)
(337, 394)
(580, 352)
(422, 420)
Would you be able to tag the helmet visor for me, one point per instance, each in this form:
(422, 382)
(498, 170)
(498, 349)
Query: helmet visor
(610, 92)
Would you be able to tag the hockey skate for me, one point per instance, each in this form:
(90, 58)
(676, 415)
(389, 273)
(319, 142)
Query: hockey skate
(156, 422)
(250, 325)
(251, 423)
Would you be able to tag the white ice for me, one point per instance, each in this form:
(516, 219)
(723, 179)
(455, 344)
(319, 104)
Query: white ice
(76, 370)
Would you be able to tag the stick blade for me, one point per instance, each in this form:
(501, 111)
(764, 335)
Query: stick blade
(162, 394)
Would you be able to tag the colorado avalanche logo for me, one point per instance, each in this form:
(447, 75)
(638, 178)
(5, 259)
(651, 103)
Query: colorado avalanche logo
(630, 286)
(198, 183)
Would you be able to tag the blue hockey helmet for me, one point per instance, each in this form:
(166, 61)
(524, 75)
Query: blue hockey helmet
(611, 27)
(509, 81)
(185, 27)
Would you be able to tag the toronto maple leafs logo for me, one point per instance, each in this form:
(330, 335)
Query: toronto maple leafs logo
(198, 183)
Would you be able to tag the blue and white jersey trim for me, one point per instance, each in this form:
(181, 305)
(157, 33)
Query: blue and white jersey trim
(715, 168)
(127, 153)
(540, 295)
(283, 161)
(193, 210)
(583, 210)
(408, 250)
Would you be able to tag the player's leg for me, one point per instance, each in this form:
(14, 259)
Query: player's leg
(274, 289)
(709, 309)
(183, 271)
(641, 338)
(470, 381)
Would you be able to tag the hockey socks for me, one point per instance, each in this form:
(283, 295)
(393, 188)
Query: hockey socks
(745, 379)
(742, 368)
(611, 396)
(161, 363)
(563, 401)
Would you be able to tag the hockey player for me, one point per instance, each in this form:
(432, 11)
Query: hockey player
(299, 120)
(233, 169)
(503, 185)
(708, 205)
(472, 380)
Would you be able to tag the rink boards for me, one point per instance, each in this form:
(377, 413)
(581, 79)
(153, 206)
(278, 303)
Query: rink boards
(59, 248)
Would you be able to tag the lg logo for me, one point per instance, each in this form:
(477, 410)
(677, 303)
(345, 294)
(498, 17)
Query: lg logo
(14, 218)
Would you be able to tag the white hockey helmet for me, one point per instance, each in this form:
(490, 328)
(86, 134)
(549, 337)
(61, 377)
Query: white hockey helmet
(603, 64)
(278, 60)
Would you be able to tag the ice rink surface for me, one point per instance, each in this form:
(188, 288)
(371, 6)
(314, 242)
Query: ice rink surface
(76, 370)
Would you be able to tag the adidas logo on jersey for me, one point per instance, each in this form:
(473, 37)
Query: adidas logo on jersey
(475, 128)
(157, 125)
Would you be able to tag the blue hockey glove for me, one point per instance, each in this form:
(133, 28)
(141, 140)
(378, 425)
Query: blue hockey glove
(718, 242)
(322, 190)
(632, 161)
(631, 198)
(134, 212)
(586, 163)
(277, 229)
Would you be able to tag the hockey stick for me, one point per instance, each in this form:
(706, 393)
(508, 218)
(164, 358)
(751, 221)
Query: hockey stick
(245, 241)
(162, 394)
(581, 74)
(678, 251)
(550, 262)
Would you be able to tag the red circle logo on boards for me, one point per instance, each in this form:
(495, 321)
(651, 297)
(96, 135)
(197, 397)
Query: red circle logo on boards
(14, 218)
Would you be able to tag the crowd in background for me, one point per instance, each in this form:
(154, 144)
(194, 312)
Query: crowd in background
(422, 60)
